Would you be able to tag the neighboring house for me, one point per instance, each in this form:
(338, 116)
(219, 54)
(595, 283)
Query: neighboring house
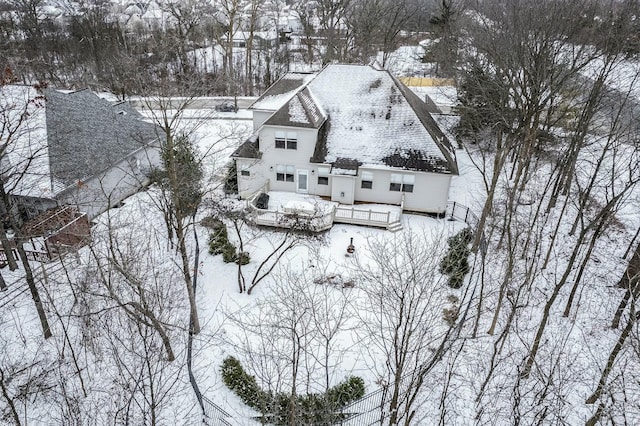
(351, 133)
(261, 39)
(72, 149)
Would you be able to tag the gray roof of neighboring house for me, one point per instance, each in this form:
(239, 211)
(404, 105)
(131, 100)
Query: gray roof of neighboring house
(87, 135)
(248, 149)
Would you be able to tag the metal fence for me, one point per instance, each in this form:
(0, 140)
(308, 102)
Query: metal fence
(366, 411)
(461, 212)
(213, 414)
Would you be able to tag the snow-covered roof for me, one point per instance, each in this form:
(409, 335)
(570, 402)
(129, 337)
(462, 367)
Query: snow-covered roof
(246, 35)
(24, 162)
(300, 111)
(371, 118)
(281, 91)
(441, 95)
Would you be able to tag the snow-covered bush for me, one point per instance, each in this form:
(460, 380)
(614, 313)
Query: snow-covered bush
(455, 263)
(283, 408)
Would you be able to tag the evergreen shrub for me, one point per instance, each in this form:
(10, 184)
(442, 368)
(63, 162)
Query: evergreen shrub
(455, 262)
(218, 238)
(279, 408)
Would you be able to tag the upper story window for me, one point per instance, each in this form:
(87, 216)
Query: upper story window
(402, 183)
(323, 176)
(285, 173)
(367, 180)
(286, 140)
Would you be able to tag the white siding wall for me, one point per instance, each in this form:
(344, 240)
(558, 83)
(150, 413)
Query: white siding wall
(272, 156)
(430, 193)
(430, 190)
(314, 187)
(342, 189)
(259, 117)
(249, 185)
(96, 194)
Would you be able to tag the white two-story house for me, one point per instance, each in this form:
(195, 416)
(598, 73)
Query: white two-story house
(351, 133)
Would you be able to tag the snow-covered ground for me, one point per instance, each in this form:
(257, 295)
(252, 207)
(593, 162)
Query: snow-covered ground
(96, 347)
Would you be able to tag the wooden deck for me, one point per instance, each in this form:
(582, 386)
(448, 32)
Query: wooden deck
(323, 219)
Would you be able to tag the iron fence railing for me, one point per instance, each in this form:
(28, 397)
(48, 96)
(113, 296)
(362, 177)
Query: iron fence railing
(461, 212)
(214, 415)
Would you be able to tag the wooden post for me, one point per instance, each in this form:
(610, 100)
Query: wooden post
(369, 217)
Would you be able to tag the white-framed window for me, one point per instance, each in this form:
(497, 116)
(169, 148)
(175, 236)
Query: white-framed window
(244, 170)
(284, 173)
(323, 176)
(402, 183)
(367, 180)
(286, 140)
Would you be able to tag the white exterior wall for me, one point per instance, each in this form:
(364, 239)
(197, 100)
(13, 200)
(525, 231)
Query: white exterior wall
(272, 156)
(259, 117)
(343, 189)
(258, 176)
(96, 194)
(314, 187)
(430, 192)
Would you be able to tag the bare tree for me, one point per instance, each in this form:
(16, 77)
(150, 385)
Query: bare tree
(401, 316)
(22, 151)
(291, 342)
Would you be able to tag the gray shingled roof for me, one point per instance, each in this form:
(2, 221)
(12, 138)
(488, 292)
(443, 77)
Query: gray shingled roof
(87, 135)
(281, 91)
(248, 149)
(300, 111)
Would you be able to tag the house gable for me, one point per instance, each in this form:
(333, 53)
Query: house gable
(281, 91)
(300, 111)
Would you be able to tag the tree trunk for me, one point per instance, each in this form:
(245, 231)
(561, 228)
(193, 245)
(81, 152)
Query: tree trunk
(180, 235)
(612, 358)
(35, 295)
(7, 397)
(7, 247)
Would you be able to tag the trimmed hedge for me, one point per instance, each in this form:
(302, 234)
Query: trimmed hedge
(219, 244)
(310, 409)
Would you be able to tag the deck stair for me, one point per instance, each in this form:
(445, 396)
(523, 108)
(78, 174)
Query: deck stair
(395, 226)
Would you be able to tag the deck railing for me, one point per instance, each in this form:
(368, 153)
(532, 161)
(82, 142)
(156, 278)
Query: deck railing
(302, 221)
(319, 221)
(362, 217)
